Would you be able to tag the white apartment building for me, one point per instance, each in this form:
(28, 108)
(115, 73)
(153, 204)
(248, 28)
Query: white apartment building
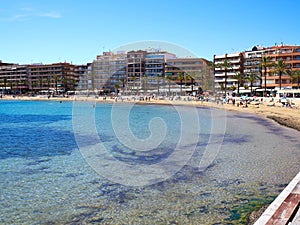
(226, 74)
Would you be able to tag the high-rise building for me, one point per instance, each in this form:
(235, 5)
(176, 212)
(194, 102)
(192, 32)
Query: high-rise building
(135, 69)
(226, 67)
(252, 66)
(290, 54)
(82, 71)
(109, 71)
(250, 63)
(155, 68)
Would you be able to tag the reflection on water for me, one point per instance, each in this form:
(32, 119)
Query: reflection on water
(45, 180)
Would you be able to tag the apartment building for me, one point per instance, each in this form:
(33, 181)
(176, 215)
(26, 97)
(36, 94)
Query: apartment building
(252, 66)
(135, 69)
(226, 67)
(58, 77)
(249, 62)
(290, 54)
(196, 71)
(83, 71)
(14, 78)
(155, 68)
(109, 71)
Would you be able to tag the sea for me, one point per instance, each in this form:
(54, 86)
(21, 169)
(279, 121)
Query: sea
(64, 162)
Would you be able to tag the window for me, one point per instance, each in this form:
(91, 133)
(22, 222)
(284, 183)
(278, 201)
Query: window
(297, 57)
(297, 65)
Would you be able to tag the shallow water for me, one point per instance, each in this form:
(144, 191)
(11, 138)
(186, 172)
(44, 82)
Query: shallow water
(44, 178)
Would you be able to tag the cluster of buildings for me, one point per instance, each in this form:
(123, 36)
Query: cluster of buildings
(15, 78)
(133, 71)
(146, 71)
(250, 63)
(160, 72)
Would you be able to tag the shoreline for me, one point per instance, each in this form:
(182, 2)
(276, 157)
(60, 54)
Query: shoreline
(288, 117)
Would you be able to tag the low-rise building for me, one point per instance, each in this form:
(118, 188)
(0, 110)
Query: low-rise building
(58, 77)
(195, 70)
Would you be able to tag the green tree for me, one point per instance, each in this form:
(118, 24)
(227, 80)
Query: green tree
(158, 78)
(295, 76)
(56, 83)
(190, 78)
(117, 86)
(48, 82)
(264, 65)
(5, 83)
(252, 78)
(10, 85)
(169, 79)
(123, 81)
(181, 78)
(40, 83)
(226, 66)
(145, 81)
(239, 77)
(134, 82)
(280, 68)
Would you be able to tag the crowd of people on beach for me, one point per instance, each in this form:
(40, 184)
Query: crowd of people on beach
(239, 101)
(245, 101)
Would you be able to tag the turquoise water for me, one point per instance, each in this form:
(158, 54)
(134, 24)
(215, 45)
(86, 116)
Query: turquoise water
(44, 179)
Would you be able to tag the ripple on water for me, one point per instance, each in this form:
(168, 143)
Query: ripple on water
(45, 180)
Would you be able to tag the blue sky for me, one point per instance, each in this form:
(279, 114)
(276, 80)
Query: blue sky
(76, 31)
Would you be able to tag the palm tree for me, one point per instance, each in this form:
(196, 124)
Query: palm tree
(10, 85)
(280, 68)
(48, 82)
(158, 76)
(133, 78)
(117, 86)
(225, 65)
(239, 77)
(56, 83)
(5, 83)
(191, 79)
(123, 81)
(252, 78)
(181, 78)
(145, 78)
(211, 67)
(265, 64)
(295, 76)
(169, 78)
(41, 83)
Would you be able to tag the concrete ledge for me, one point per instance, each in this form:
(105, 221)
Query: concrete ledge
(285, 208)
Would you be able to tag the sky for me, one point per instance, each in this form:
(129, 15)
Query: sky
(40, 31)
